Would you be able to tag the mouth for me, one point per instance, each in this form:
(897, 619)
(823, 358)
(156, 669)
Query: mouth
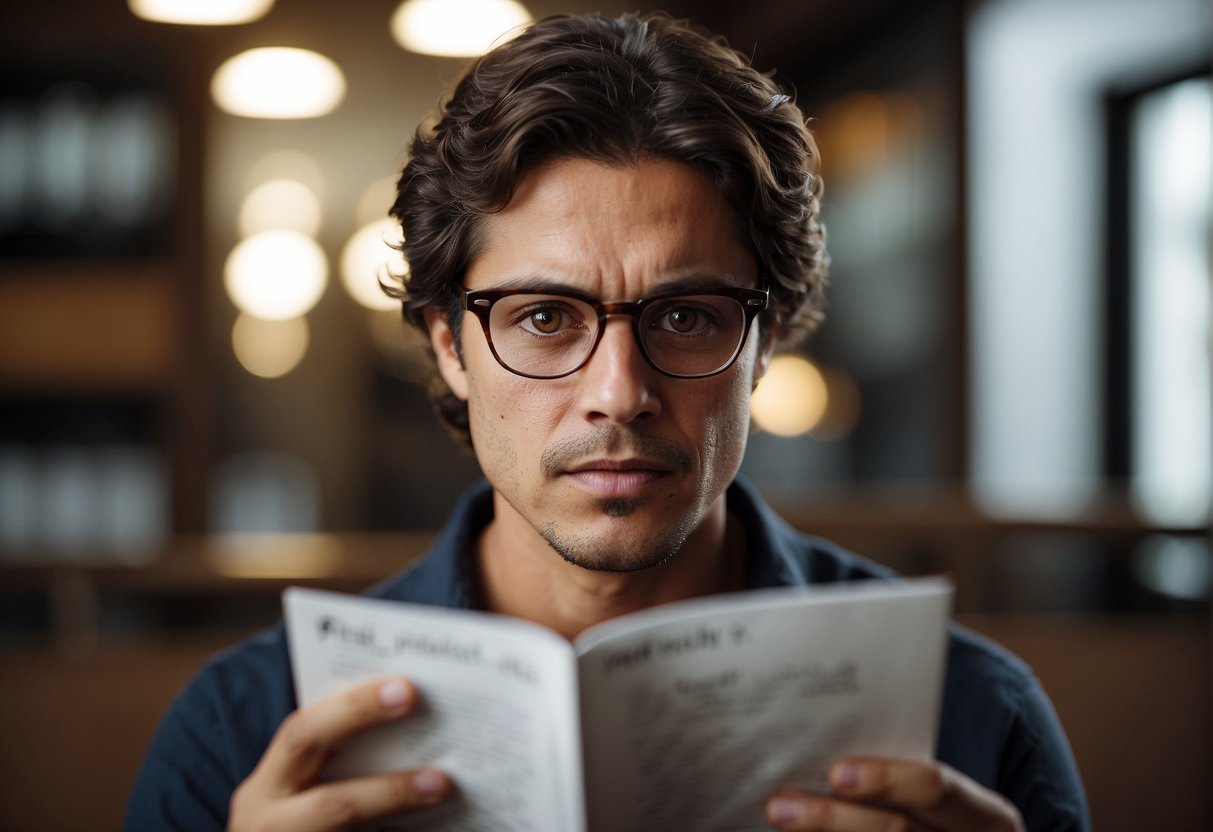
(617, 478)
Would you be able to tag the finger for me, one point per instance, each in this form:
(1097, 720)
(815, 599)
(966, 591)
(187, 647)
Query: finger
(348, 803)
(799, 812)
(307, 737)
(940, 795)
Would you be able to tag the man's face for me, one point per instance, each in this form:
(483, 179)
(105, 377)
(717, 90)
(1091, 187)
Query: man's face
(616, 464)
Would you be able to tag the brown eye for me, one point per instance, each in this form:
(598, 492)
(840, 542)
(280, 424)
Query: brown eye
(546, 321)
(682, 319)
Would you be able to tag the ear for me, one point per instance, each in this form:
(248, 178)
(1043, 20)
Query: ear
(442, 339)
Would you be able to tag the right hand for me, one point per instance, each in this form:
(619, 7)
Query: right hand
(284, 790)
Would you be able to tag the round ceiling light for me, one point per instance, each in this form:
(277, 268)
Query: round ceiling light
(457, 28)
(210, 13)
(791, 398)
(371, 253)
(276, 274)
(278, 82)
(269, 349)
(285, 204)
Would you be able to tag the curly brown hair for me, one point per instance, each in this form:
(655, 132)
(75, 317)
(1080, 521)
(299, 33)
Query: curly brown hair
(614, 90)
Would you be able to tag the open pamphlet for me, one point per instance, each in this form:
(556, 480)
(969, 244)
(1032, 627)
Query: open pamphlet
(683, 716)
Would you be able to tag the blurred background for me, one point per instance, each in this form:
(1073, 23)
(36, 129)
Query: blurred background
(203, 399)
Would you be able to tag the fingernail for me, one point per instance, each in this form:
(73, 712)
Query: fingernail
(845, 776)
(394, 695)
(430, 783)
(783, 810)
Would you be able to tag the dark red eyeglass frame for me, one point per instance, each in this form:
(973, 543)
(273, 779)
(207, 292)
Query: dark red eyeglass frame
(752, 301)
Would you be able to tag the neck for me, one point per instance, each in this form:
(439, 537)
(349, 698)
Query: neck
(522, 576)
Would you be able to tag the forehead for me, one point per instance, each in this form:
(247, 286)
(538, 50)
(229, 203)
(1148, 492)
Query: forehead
(622, 229)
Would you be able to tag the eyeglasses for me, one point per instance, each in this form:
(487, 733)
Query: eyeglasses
(553, 334)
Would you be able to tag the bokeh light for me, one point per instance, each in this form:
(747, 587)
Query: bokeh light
(278, 82)
(456, 28)
(209, 13)
(368, 256)
(276, 274)
(791, 398)
(280, 204)
(269, 349)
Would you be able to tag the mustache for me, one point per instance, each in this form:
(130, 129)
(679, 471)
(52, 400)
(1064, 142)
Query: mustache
(562, 455)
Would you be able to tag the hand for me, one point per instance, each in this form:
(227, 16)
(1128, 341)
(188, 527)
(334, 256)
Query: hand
(883, 794)
(283, 792)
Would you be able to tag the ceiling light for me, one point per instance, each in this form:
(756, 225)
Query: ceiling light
(200, 12)
(278, 82)
(457, 28)
(791, 399)
(276, 274)
(269, 349)
(368, 256)
(280, 204)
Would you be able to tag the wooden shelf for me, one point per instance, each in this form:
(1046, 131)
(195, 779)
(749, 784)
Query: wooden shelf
(220, 564)
(87, 327)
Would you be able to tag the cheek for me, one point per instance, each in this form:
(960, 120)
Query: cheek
(725, 421)
(508, 416)
(515, 401)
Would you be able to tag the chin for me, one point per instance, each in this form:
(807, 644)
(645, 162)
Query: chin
(617, 545)
(619, 506)
(615, 562)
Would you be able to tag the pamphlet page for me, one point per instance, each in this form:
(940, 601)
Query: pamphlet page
(499, 709)
(694, 713)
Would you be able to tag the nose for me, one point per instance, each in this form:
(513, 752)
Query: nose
(617, 384)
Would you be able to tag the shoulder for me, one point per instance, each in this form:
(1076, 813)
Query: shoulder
(998, 726)
(987, 689)
(242, 694)
(213, 735)
(251, 681)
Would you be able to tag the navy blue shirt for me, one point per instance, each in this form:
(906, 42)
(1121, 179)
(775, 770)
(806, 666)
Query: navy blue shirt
(997, 725)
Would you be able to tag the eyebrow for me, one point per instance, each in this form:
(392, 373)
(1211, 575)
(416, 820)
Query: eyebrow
(689, 285)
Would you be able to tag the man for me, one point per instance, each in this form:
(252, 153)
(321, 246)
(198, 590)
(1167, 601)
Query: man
(609, 229)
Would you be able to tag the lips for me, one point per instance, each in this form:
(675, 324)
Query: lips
(615, 463)
(617, 478)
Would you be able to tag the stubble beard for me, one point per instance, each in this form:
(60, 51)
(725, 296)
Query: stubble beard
(618, 553)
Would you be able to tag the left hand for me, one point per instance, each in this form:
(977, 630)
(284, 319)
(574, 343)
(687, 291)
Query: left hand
(875, 793)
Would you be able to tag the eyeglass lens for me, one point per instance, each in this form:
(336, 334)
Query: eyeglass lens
(550, 335)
